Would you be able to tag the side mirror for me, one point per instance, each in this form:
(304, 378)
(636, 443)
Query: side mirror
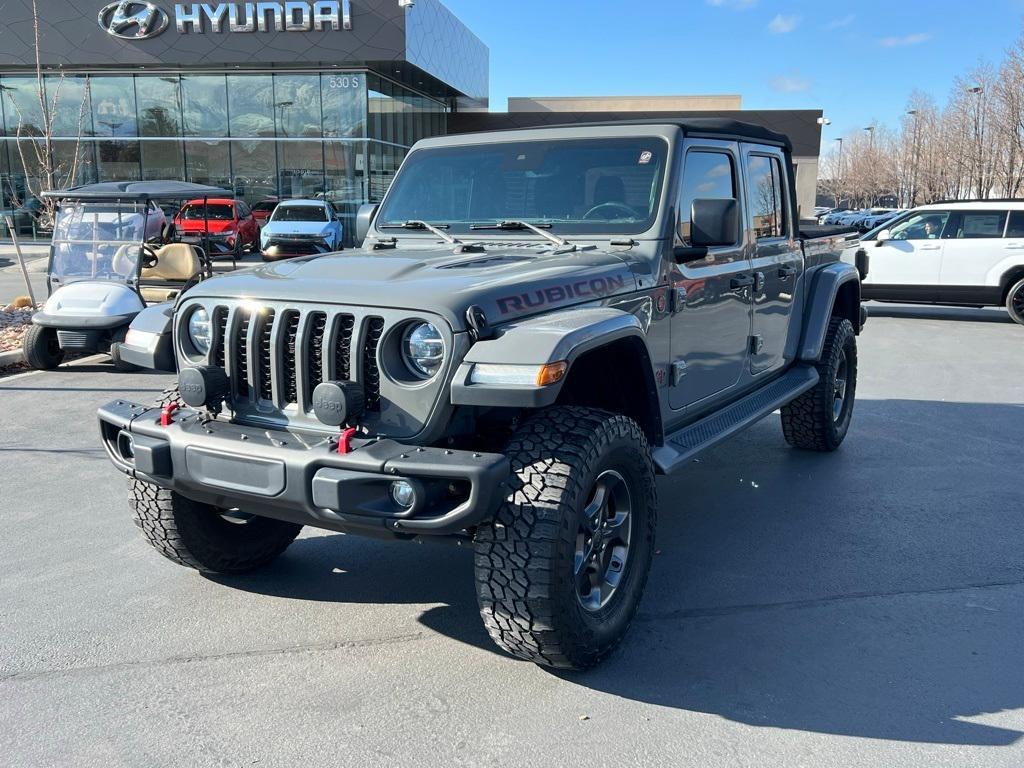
(883, 237)
(363, 221)
(714, 223)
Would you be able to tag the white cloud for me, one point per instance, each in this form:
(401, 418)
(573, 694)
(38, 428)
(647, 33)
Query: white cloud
(896, 42)
(782, 25)
(740, 5)
(794, 83)
(845, 21)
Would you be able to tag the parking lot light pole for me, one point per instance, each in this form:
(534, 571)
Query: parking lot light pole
(979, 134)
(842, 175)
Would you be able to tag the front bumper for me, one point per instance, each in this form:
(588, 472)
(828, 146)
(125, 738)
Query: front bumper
(301, 478)
(287, 247)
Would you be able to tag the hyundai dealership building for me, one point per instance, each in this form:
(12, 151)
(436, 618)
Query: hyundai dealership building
(271, 99)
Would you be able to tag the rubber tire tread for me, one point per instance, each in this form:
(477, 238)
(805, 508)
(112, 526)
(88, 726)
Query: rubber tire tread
(808, 422)
(525, 592)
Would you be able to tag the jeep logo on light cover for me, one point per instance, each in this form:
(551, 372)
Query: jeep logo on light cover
(137, 20)
(133, 20)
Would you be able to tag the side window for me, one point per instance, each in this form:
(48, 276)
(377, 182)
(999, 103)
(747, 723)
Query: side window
(1016, 225)
(765, 189)
(706, 175)
(976, 225)
(921, 226)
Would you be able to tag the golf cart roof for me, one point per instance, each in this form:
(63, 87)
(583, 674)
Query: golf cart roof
(141, 191)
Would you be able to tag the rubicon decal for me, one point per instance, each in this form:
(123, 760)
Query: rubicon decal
(597, 288)
(137, 20)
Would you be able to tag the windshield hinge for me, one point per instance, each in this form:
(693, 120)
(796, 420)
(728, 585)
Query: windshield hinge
(384, 243)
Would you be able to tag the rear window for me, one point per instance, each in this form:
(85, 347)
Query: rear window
(267, 205)
(1016, 226)
(976, 225)
(216, 212)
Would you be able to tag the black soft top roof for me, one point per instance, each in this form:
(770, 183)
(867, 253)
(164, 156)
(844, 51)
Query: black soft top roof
(696, 127)
(139, 190)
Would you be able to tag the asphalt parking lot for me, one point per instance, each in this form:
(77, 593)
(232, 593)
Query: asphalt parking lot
(860, 609)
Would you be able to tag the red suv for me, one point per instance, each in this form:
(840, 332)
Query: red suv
(231, 222)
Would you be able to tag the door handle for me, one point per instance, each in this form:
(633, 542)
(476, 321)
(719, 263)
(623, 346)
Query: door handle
(787, 272)
(741, 281)
(1015, 247)
(931, 247)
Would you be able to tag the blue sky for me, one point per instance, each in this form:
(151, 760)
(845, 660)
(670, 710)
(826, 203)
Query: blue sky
(857, 60)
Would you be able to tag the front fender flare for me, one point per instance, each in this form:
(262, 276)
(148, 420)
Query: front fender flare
(825, 287)
(552, 338)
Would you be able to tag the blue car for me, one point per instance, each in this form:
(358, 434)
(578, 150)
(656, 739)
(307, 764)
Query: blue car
(301, 228)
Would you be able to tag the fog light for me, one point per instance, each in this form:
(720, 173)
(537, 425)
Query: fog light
(403, 494)
(126, 446)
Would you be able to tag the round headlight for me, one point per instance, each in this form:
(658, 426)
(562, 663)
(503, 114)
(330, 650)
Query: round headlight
(200, 331)
(423, 348)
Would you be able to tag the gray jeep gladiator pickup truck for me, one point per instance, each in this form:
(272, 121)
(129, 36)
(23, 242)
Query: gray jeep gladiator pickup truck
(538, 323)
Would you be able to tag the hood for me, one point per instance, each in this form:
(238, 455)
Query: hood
(297, 227)
(509, 281)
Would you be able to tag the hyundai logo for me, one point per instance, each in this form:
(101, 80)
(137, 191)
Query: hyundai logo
(133, 20)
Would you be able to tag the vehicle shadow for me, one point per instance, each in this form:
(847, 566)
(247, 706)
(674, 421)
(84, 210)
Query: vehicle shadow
(931, 312)
(874, 593)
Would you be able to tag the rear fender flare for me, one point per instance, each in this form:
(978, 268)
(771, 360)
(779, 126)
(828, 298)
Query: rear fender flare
(826, 286)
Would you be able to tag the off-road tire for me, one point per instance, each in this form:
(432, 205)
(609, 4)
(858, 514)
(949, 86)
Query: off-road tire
(524, 558)
(197, 536)
(810, 422)
(41, 348)
(1015, 302)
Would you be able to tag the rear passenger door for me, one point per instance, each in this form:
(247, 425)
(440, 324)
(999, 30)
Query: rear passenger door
(973, 246)
(777, 260)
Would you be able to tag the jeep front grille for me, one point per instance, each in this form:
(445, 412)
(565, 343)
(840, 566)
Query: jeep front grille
(276, 355)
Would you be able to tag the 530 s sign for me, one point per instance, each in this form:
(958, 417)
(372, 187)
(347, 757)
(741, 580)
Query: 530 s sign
(140, 20)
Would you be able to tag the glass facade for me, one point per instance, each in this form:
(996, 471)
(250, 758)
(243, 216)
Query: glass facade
(333, 135)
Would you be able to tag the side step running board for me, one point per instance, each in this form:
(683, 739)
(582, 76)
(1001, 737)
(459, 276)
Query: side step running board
(685, 445)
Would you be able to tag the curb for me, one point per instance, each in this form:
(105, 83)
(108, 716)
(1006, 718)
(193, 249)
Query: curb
(11, 358)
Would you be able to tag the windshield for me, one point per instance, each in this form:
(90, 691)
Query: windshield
(98, 241)
(198, 213)
(300, 213)
(577, 186)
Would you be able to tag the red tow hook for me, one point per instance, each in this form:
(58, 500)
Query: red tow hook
(167, 414)
(345, 442)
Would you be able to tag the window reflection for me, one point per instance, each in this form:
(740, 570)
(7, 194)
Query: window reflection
(113, 106)
(255, 168)
(163, 159)
(159, 106)
(301, 168)
(251, 99)
(208, 162)
(204, 99)
(297, 104)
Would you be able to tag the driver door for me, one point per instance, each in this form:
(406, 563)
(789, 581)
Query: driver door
(911, 258)
(711, 301)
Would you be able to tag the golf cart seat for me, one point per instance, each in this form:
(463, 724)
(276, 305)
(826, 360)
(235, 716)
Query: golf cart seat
(176, 264)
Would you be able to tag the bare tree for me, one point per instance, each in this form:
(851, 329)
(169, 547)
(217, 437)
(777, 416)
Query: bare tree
(44, 168)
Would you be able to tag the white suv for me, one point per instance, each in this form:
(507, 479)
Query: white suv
(969, 254)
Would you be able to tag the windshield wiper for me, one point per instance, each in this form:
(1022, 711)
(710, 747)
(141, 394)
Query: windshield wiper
(512, 226)
(422, 225)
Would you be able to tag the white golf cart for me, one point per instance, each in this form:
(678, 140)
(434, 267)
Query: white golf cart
(114, 253)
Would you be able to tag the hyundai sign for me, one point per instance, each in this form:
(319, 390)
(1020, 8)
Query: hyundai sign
(139, 20)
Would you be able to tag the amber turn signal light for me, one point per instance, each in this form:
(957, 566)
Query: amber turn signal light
(552, 373)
